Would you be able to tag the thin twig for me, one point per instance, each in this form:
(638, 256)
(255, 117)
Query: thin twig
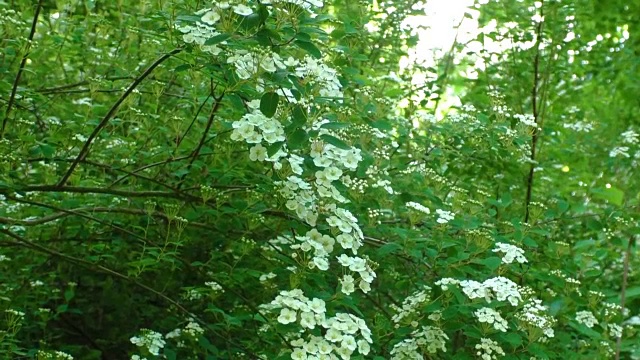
(94, 210)
(195, 118)
(98, 190)
(85, 149)
(79, 214)
(23, 63)
(92, 266)
(205, 133)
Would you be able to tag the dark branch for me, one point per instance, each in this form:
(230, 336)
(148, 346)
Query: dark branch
(114, 109)
(14, 89)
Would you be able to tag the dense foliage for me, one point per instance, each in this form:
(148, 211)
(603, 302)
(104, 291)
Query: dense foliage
(285, 179)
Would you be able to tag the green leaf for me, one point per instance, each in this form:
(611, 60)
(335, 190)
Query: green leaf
(389, 248)
(303, 37)
(512, 338)
(492, 263)
(585, 330)
(382, 125)
(299, 116)
(611, 194)
(297, 139)
(273, 148)
(217, 39)
(335, 142)
(633, 292)
(310, 48)
(269, 104)
(188, 18)
(170, 354)
(69, 294)
(250, 22)
(182, 67)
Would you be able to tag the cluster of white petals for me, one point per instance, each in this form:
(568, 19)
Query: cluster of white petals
(489, 349)
(419, 207)
(534, 314)
(428, 339)
(444, 216)
(344, 334)
(499, 288)
(410, 305)
(150, 340)
(492, 317)
(586, 318)
(511, 253)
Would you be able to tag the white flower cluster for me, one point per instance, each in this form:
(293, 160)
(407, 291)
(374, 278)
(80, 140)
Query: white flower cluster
(323, 245)
(429, 339)
(380, 179)
(214, 286)
(527, 119)
(499, 287)
(491, 316)
(586, 318)
(209, 17)
(16, 313)
(343, 333)
(489, 349)
(629, 137)
(511, 253)
(619, 150)
(191, 330)
(200, 32)
(533, 313)
(410, 305)
(53, 355)
(612, 309)
(306, 4)
(248, 64)
(579, 126)
(318, 74)
(419, 207)
(615, 330)
(267, 277)
(150, 340)
(355, 184)
(360, 266)
(301, 196)
(254, 127)
(444, 216)
(566, 278)
(9, 17)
